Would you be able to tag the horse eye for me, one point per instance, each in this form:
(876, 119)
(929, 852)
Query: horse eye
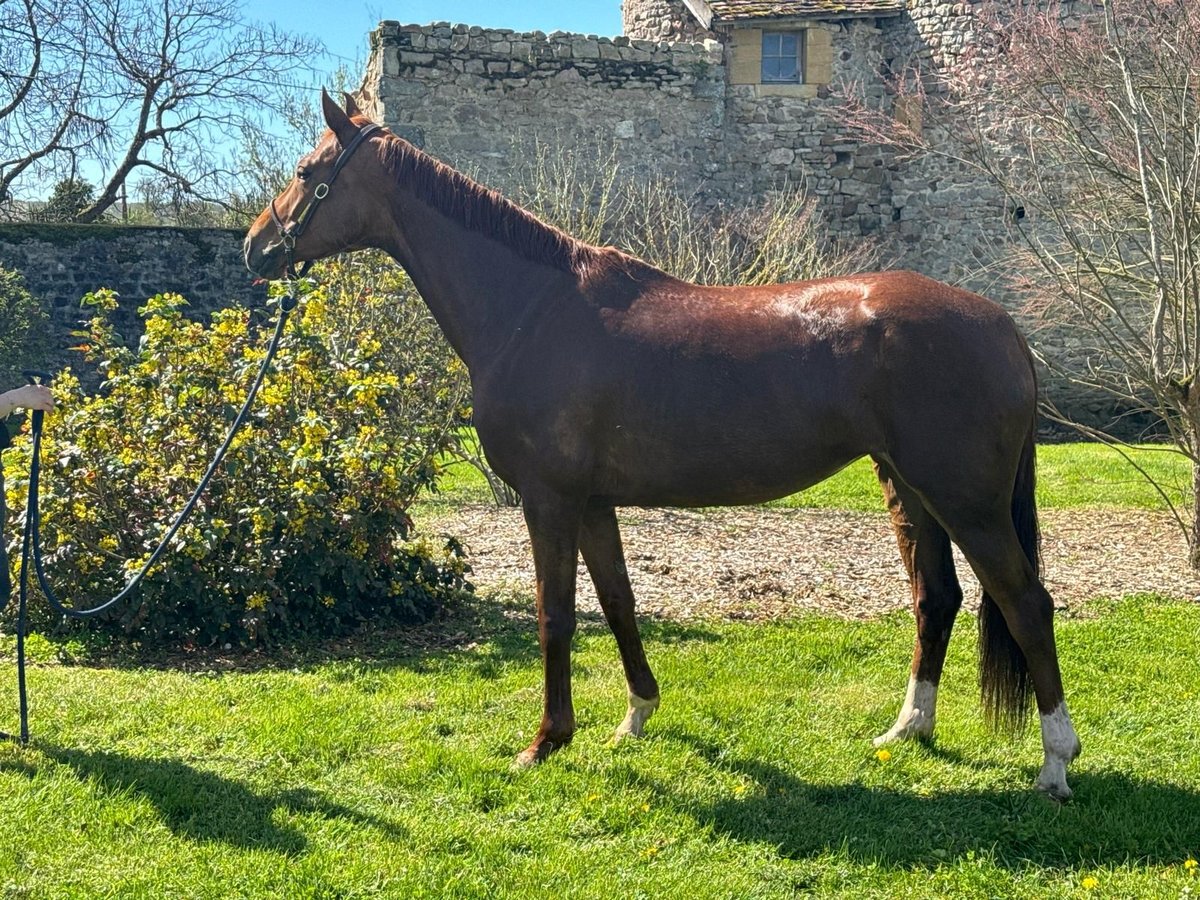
(302, 173)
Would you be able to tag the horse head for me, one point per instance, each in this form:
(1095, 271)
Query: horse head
(284, 233)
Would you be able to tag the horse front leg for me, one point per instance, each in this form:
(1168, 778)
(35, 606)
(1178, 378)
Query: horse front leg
(936, 596)
(600, 542)
(553, 523)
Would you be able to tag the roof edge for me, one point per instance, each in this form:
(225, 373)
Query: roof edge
(813, 17)
(714, 15)
(701, 10)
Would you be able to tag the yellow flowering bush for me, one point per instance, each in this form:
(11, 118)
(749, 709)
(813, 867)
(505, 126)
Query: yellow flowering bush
(305, 528)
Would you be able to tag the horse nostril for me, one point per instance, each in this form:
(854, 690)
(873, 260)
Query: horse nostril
(257, 260)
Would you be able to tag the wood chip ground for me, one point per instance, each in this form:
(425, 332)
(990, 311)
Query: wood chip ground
(756, 563)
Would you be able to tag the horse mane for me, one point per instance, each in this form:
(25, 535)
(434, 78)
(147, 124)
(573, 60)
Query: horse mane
(489, 213)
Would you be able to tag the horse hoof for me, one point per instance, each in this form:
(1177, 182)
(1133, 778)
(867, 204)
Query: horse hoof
(1057, 791)
(914, 731)
(526, 759)
(635, 718)
(1052, 780)
(888, 737)
(537, 752)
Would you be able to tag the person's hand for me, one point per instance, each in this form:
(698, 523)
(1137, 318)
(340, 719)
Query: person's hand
(31, 396)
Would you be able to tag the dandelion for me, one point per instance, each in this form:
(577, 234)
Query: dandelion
(1090, 883)
(592, 798)
(1191, 866)
(651, 851)
(645, 807)
(883, 755)
(739, 790)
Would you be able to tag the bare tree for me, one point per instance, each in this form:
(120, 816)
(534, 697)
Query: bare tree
(45, 71)
(145, 88)
(1089, 121)
(266, 159)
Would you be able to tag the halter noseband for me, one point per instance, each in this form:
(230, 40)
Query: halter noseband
(291, 233)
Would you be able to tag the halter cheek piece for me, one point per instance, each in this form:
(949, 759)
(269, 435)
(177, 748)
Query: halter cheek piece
(291, 233)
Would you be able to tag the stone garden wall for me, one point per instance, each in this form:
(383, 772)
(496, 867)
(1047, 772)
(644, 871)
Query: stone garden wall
(61, 263)
(475, 97)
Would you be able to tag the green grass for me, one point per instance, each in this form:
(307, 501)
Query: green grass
(381, 768)
(387, 774)
(1069, 475)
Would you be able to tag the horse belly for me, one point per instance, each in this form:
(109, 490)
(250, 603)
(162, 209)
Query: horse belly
(646, 428)
(748, 453)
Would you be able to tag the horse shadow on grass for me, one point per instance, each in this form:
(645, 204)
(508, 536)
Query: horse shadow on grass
(1113, 819)
(207, 807)
(484, 633)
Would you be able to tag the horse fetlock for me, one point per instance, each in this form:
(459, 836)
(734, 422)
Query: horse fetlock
(640, 709)
(1059, 739)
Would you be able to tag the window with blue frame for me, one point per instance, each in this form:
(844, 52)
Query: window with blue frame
(783, 57)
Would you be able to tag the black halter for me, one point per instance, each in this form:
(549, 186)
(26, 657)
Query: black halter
(291, 233)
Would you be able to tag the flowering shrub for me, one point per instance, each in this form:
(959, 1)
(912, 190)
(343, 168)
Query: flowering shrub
(305, 528)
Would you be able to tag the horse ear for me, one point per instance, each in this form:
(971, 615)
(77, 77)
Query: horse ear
(339, 123)
(352, 109)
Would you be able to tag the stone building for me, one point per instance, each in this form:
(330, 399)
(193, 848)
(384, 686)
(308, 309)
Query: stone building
(731, 99)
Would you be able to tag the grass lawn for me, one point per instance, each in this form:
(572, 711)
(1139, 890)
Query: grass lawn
(1069, 475)
(381, 768)
(383, 771)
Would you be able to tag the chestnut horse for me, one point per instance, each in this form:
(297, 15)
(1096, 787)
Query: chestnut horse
(600, 381)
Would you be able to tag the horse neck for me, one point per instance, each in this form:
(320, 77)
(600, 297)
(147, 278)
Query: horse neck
(478, 288)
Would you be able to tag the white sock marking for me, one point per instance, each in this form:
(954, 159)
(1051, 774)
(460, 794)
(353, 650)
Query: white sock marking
(1061, 745)
(639, 711)
(916, 717)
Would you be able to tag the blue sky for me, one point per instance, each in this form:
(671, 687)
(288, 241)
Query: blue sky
(343, 27)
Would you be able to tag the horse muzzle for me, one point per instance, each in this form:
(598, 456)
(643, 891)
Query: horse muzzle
(264, 258)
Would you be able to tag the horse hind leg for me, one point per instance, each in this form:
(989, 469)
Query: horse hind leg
(1017, 647)
(981, 488)
(1017, 652)
(936, 597)
(600, 544)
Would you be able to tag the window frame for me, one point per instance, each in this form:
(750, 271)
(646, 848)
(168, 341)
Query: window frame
(777, 37)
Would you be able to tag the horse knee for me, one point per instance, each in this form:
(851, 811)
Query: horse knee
(558, 628)
(938, 608)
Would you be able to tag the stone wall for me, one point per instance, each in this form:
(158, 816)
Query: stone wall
(475, 97)
(61, 263)
(775, 140)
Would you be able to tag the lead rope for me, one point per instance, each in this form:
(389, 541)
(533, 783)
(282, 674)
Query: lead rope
(31, 537)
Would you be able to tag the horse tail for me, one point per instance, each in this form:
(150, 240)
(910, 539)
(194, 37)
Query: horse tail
(1004, 681)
